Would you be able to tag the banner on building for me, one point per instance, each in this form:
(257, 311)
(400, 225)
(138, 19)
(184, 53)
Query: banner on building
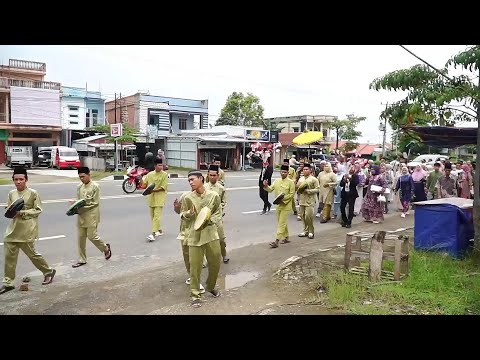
(116, 130)
(257, 135)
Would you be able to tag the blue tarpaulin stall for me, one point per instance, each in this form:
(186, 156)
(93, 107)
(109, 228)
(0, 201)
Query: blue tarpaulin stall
(444, 225)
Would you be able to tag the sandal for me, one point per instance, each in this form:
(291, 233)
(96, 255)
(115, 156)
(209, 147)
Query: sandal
(108, 253)
(78, 264)
(215, 293)
(285, 241)
(226, 260)
(5, 289)
(49, 277)
(196, 303)
(274, 244)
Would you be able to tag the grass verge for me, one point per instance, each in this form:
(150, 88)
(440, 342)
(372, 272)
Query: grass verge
(5, 181)
(99, 175)
(437, 284)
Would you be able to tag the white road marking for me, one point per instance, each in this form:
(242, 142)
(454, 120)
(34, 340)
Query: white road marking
(129, 196)
(47, 238)
(255, 211)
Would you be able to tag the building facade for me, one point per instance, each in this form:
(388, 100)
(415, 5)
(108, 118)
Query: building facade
(81, 109)
(30, 107)
(157, 117)
(298, 124)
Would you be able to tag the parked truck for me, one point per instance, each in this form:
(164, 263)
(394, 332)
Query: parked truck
(19, 156)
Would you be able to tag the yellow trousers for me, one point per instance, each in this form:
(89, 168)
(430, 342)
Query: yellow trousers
(91, 234)
(282, 226)
(196, 253)
(11, 256)
(156, 216)
(307, 217)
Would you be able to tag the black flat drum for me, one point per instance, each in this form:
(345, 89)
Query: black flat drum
(15, 207)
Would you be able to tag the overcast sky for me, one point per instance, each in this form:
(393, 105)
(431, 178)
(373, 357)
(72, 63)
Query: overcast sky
(289, 80)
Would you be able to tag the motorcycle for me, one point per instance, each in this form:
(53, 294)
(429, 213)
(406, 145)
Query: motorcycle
(134, 179)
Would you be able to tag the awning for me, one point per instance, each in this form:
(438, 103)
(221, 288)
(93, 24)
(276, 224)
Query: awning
(307, 146)
(444, 136)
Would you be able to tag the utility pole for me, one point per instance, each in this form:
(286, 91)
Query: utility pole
(115, 143)
(384, 133)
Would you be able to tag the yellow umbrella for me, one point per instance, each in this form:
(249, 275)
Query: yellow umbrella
(308, 137)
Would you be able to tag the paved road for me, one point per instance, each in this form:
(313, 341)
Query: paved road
(125, 223)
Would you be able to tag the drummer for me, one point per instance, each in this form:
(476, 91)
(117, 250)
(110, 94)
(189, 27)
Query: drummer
(156, 199)
(203, 242)
(88, 217)
(221, 174)
(292, 176)
(179, 207)
(307, 200)
(214, 184)
(287, 187)
(22, 232)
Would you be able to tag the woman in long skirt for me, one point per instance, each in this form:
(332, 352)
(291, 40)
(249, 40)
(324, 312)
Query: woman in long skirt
(372, 209)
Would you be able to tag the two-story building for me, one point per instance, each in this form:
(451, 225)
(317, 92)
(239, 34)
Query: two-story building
(157, 117)
(30, 113)
(300, 123)
(81, 109)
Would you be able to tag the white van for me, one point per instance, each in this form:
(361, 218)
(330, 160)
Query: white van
(64, 157)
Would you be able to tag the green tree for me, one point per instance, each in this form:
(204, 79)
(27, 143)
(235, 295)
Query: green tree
(241, 110)
(128, 133)
(346, 129)
(442, 99)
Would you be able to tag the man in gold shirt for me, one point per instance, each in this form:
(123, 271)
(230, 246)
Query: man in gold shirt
(287, 187)
(205, 241)
(292, 175)
(214, 184)
(22, 231)
(179, 207)
(221, 173)
(307, 199)
(88, 217)
(157, 198)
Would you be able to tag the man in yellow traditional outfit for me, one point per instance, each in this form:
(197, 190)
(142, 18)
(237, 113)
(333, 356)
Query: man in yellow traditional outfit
(286, 186)
(89, 217)
(214, 184)
(22, 232)
(156, 199)
(205, 241)
(307, 200)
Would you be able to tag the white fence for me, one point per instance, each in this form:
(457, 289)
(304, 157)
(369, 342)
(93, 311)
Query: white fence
(93, 163)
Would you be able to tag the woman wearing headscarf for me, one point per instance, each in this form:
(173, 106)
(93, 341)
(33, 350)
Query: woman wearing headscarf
(406, 186)
(386, 172)
(361, 182)
(419, 177)
(465, 182)
(372, 209)
(327, 181)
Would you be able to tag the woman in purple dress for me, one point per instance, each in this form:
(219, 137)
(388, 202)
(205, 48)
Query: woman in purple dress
(372, 209)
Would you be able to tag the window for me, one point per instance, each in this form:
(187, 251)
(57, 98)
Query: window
(72, 108)
(151, 120)
(73, 115)
(74, 122)
(295, 129)
(182, 124)
(87, 119)
(94, 116)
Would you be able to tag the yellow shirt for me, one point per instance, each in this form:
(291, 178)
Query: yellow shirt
(184, 223)
(304, 198)
(220, 190)
(209, 233)
(286, 186)
(160, 179)
(24, 228)
(89, 215)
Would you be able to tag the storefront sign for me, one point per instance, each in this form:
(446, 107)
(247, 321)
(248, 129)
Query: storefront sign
(257, 135)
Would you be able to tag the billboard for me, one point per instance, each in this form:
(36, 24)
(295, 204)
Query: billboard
(31, 106)
(257, 135)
